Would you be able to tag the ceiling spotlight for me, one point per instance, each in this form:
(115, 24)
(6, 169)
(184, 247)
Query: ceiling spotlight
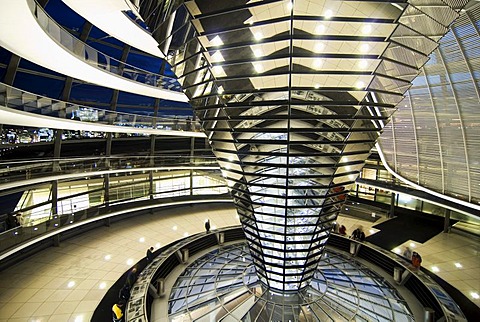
(328, 14)
(318, 47)
(363, 64)
(320, 29)
(258, 36)
(317, 63)
(258, 68)
(290, 6)
(360, 85)
(367, 29)
(258, 53)
(364, 48)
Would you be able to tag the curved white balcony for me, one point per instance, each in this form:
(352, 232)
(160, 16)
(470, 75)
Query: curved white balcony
(50, 50)
(108, 16)
(22, 108)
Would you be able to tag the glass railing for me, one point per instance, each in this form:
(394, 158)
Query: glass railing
(95, 58)
(18, 170)
(48, 222)
(37, 218)
(25, 101)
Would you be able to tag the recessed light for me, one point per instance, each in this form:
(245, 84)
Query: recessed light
(290, 6)
(475, 295)
(174, 227)
(458, 265)
(396, 250)
(366, 29)
(129, 262)
(320, 29)
(141, 239)
(258, 53)
(71, 284)
(258, 68)
(317, 63)
(360, 85)
(364, 48)
(363, 63)
(328, 14)
(412, 245)
(258, 36)
(108, 257)
(318, 47)
(435, 269)
(102, 285)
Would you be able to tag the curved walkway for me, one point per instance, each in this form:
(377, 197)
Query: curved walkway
(14, 117)
(30, 41)
(108, 16)
(66, 283)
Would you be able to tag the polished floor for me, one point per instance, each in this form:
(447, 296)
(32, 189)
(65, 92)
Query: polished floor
(66, 283)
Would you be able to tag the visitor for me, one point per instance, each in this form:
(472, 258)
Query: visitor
(150, 255)
(207, 225)
(131, 277)
(359, 236)
(117, 311)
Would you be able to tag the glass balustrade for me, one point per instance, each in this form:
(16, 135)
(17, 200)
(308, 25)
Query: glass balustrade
(96, 58)
(81, 200)
(24, 101)
(13, 171)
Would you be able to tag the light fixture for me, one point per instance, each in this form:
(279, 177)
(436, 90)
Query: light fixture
(360, 85)
(108, 257)
(258, 36)
(129, 262)
(257, 53)
(317, 86)
(435, 269)
(363, 63)
(458, 265)
(218, 71)
(320, 29)
(412, 245)
(396, 250)
(185, 234)
(290, 6)
(367, 29)
(174, 227)
(318, 47)
(328, 14)
(217, 57)
(364, 48)
(157, 245)
(475, 295)
(71, 284)
(141, 239)
(102, 285)
(317, 63)
(258, 68)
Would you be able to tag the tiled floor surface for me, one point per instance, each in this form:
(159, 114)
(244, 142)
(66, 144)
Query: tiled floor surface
(66, 283)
